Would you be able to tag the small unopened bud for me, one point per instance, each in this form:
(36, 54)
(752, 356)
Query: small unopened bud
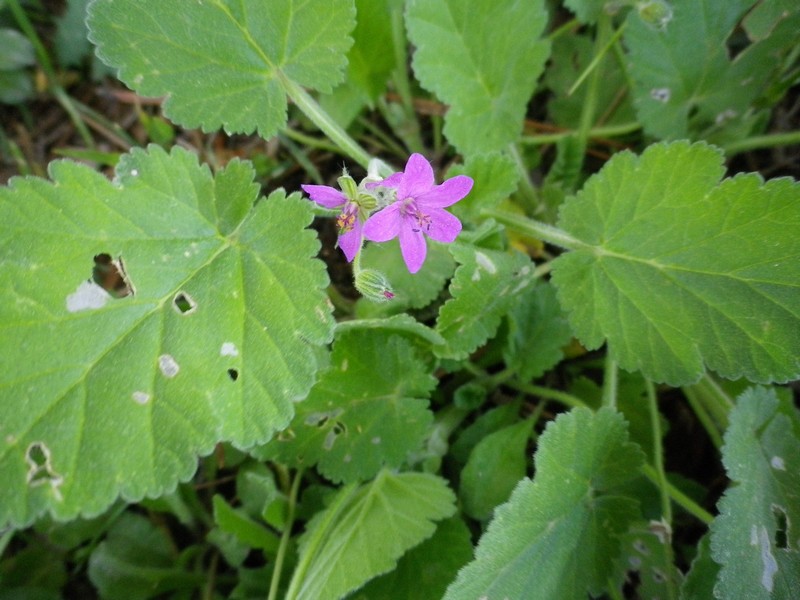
(348, 186)
(373, 285)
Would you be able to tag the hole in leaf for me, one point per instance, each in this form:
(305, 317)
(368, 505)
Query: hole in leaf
(40, 469)
(184, 303)
(782, 529)
(110, 275)
(233, 374)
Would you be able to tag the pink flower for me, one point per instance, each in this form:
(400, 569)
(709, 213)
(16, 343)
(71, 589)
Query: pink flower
(418, 210)
(348, 221)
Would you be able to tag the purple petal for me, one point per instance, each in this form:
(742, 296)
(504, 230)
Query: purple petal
(350, 242)
(446, 194)
(444, 226)
(418, 178)
(392, 180)
(324, 195)
(384, 224)
(413, 248)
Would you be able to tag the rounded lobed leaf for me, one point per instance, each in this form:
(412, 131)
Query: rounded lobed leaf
(144, 320)
(677, 270)
(221, 62)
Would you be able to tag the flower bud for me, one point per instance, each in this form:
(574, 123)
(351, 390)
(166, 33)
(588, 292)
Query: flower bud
(348, 186)
(373, 285)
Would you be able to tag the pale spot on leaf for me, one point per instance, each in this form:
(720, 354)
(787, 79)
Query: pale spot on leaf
(88, 296)
(168, 366)
(228, 349)
(485, 263)
(140, 397)
(760, 537)
(777, 463)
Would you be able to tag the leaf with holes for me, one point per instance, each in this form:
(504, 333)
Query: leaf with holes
(676, 269)
(367, 410)
(487, 78)
(144, 320)
(755, 537)
(567, 521)
(224, 62)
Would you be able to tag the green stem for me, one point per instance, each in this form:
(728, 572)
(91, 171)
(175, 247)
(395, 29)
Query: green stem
(325, 123)
(52, 79)
(658, 454)
(679, 498)
(550, 394)
(535, 229)
(711, 405)
(610, 382)
(411, 135)
(285, 537)
(607, 131)
(599, 53)
(762, 141)
(527, 192)
(318, 536)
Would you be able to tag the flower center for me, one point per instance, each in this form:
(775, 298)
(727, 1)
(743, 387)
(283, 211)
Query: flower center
(347, 218)
(420, 219)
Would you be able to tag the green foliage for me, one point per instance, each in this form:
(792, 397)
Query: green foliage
(567, 521)
(457, 57)
(495, 177)
(16, 54)
(755, 538)
(181, 416)
(424, 571)
(685, 84)
(367, 410)
(135, 561)
(493, 469)
(106, 396)
(365, 531)
(485, 286)
(227, 60)
(675, 269)
(537, 333)
(369, 61)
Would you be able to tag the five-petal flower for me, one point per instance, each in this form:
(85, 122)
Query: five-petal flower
(348, 221)
(418, 210)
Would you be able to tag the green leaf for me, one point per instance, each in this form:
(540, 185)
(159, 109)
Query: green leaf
(71, 43)
(402, 324)
(587, 11)
(424, 571)
(411, 291)
(367, 410)
(17, 51)
(484, 287)
(495, 176)
(700, 580)
(494, 468)
(559, 533)
(486, 78)
(537, 333)
(222, 62)
(366, 530)
(684, 80)
(106, 396)
(676, 270)
(370, 61)
(136, 561)
(646, 551)
(755, 537)
(247, 531)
